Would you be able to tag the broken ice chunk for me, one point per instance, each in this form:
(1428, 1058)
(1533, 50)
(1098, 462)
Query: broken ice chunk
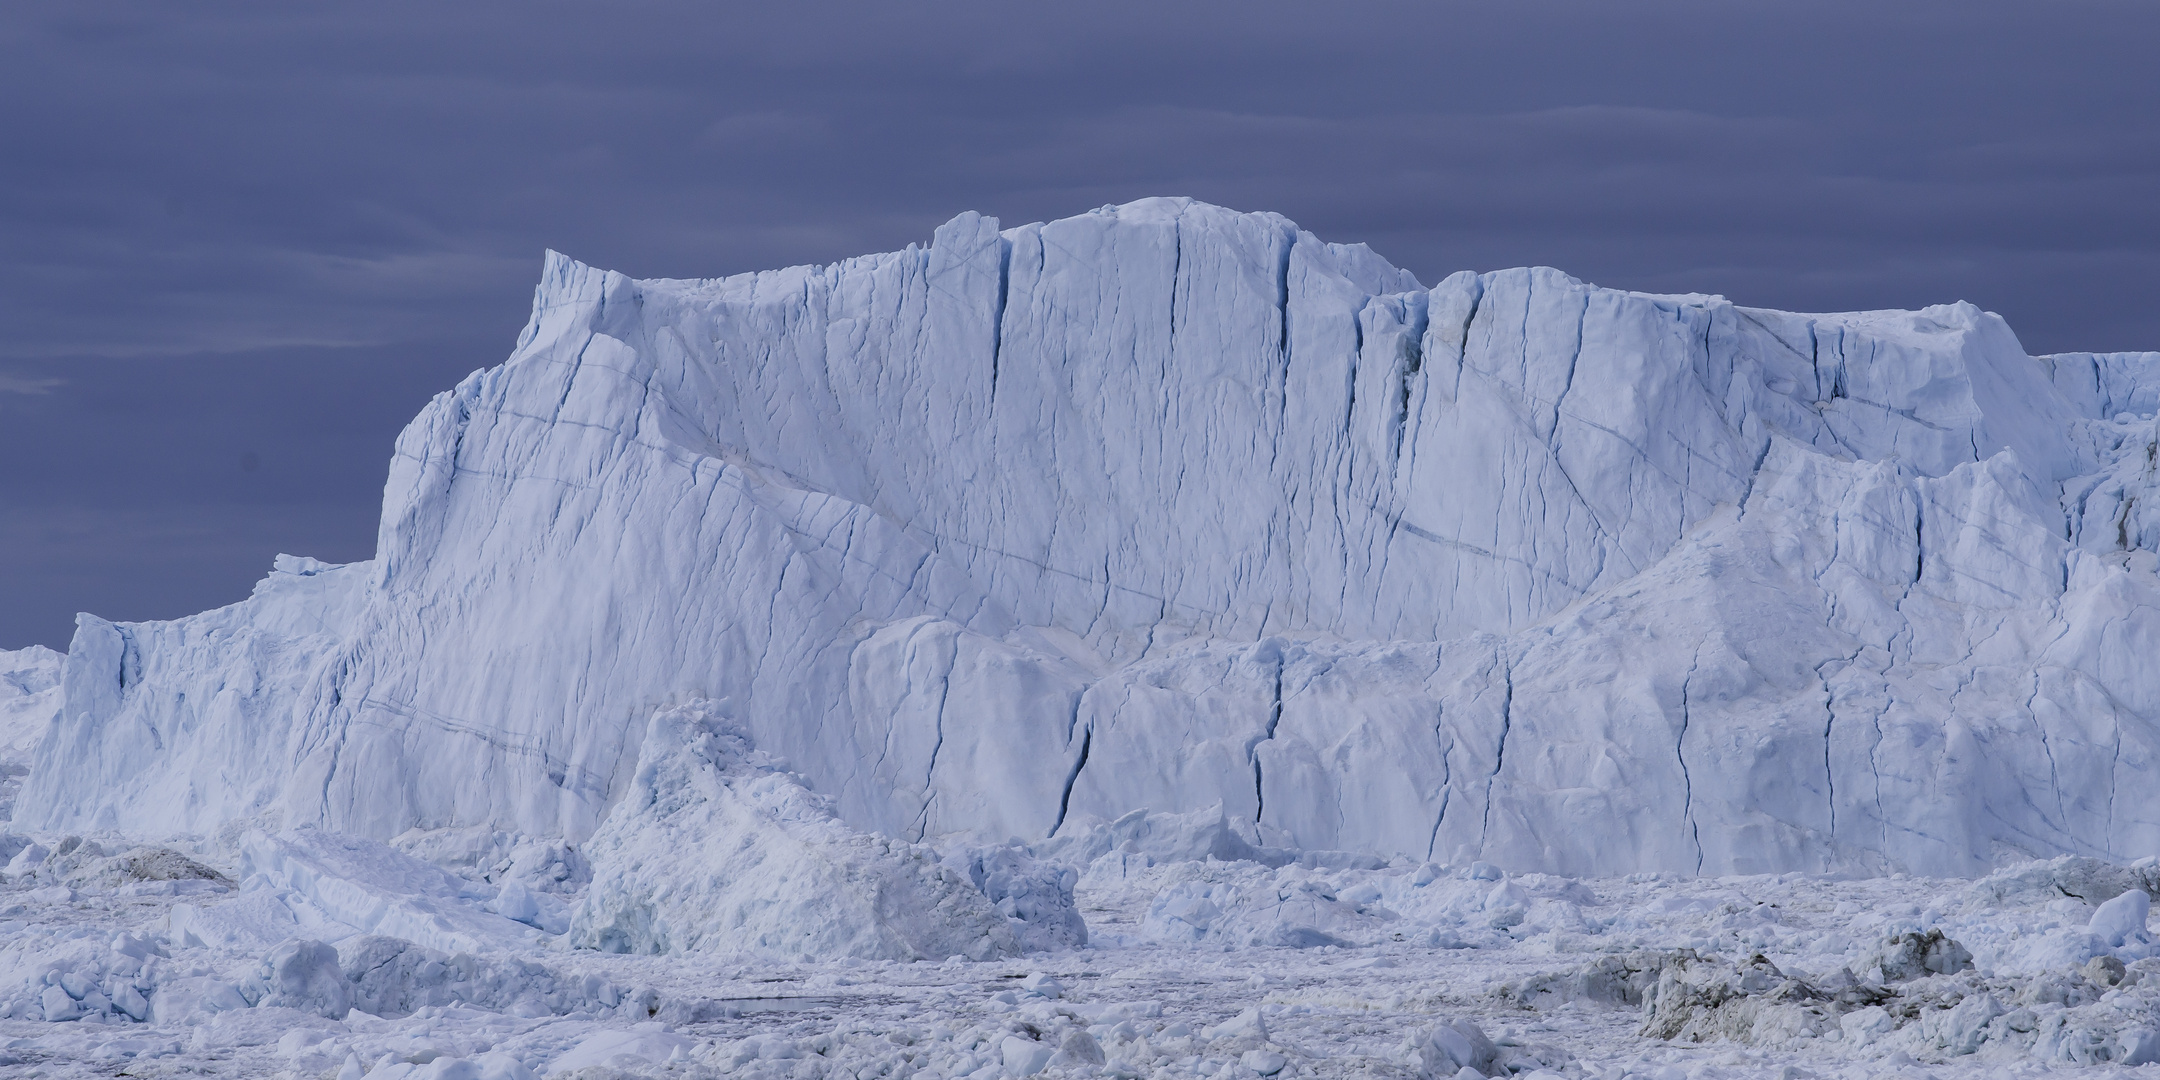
(2115, 921)
(1024, 1057)
(304, 975)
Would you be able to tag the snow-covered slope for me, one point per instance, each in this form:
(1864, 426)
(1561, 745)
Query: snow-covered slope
(1167, 506)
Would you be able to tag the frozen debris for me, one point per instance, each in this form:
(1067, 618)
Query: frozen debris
(2106, 971)
(144, 864)
(304, 975)
(1647, 975)
(2076, 876)
(1702, 1000)
(1624, 978)
(1912, 955)
(64, 860)
(1933, 1005)
(715, 848)
(1035, 895)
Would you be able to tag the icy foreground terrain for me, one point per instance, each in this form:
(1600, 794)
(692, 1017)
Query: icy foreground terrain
(1153, 643)
(148, 962)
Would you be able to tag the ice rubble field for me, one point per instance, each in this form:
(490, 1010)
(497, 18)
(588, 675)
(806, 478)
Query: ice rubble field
(1152, 643)
(1323, 966)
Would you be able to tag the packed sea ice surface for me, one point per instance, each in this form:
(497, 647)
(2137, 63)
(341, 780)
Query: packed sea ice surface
(1154, 643)
(338, 957)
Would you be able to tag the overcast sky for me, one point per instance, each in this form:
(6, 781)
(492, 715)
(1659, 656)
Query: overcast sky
(244, 243)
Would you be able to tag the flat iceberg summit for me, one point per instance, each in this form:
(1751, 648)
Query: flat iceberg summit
(1169, 507)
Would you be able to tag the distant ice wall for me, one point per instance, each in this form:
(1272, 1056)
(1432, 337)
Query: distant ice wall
(1165, 505)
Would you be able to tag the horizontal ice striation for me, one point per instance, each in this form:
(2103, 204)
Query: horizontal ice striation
(1165, 506)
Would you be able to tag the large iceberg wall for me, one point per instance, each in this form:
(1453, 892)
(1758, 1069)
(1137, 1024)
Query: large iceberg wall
(1167, 506)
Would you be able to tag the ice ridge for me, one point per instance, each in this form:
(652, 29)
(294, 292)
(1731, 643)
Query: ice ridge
(1170, 507)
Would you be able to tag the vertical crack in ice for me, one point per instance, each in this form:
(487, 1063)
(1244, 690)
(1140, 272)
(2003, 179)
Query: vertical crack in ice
(2062, 813)
(577, 364)
(1755, 472)
(997, 318)
(1814, 344)
(1447, 783)
(1072, 719)
(1177, 267)
(1274, 718)
(1357, 360)
(922, 817)
(1282, 371)
(1282, 302)
(1567, 381)
(1507, 722)
(1687, 780)
(2114, 782)
(1882, 816)
(1829, 724)
(1087, 740)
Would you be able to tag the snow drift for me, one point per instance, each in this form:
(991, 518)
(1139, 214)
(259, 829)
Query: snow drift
(1164, 507)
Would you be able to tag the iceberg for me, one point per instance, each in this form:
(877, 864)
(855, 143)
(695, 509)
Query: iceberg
(1170, 508)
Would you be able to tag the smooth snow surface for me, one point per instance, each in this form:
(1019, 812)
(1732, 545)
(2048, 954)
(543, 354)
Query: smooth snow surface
(1166, 506)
